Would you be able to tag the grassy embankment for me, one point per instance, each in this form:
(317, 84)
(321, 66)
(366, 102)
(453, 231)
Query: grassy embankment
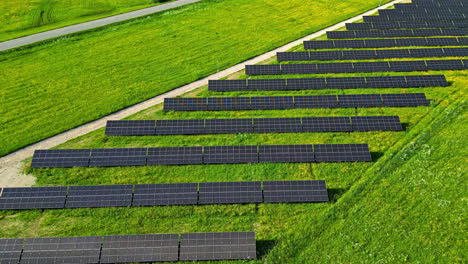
(53, 87)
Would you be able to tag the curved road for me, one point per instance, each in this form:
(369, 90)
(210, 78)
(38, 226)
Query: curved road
(15, 43)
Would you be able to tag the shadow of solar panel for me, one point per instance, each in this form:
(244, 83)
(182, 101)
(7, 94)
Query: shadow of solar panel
(326, 124)
(342, 153)
(376, 123)
(426, 81)
(185, 104)
(50, 158)
(230, 154)
(227, 85)
(294, 191)
(272, 102)
(180, 127)
(404, 100)
(359, 100)
(217, 246)
(140, 248)
(286, 153)
(228, 103)
(10, 250)
(175, 156)
(306, 83)
(274, 69)
(130, 127)
(267, 85)
(317, 101)
(230, 192)
(62, 250)
(165, 194)
(277, 125)
(439, 65)
(118, 157)
(227, 126)
(99, 196)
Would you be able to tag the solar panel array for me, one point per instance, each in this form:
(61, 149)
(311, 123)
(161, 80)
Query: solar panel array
(356, 67)
(397, 33)
(169, 156)
(385, 43)
(404, 25)
(371, 54)
(311, 101)
(130, 248)
(260, 125)
(191, 193)
(413, 17)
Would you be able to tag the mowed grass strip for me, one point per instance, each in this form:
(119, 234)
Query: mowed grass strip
(53, 87)
(21, 18)
(409, 197)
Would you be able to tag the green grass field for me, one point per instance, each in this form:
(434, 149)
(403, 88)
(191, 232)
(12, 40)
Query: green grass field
(406, 206)
(53, 87)
(21, 18)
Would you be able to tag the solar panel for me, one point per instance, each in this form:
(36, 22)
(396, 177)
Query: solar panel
(379, 66)
(165, 194)
(61, 250)
(221, 85)
(174, 155)
(286, 153)
(185, 104)
(375, 123)
(360, 100)
(406, 25)
(295, 191)
(230, 154)
(118, 157)
(277, 125)
(385, 43)
(412, 17)
(60, 158)
(140, 248)
(228, 103)
(99, 196)
(130, 127)
(230, 192)
(404, 100)
(33, 198)
(222, 126)
(10, 250)
(388, 54)
(180, 127)
(326, 124)
(316, 101)
(264, 85)
(217, 246)
(272, 102)
(342, 153)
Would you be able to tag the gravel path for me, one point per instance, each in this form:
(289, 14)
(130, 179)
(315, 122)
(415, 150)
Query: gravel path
(14, 43)
(10, 174)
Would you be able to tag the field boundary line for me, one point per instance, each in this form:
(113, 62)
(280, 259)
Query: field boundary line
(93, 24)
(81, 130)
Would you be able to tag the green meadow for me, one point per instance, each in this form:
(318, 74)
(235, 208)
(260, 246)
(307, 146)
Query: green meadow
(61, 84)
(21, 18)
(405, 206)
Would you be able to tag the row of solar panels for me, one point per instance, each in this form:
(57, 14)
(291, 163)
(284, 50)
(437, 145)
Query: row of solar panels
(423, 11)
(200, 155)
(252, 125)
(397, 33)
(327, 83)
(431, 5)
(385, 43)
(129, 248)
(414, 17)
(371, 54)
(294, 102)
(357, 67)
(163, 194)
(405, 25)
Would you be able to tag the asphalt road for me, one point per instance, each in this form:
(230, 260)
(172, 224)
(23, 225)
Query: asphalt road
(14, 43)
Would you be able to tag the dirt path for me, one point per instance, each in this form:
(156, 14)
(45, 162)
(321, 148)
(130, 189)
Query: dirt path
(15, 43)
(10, 174)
